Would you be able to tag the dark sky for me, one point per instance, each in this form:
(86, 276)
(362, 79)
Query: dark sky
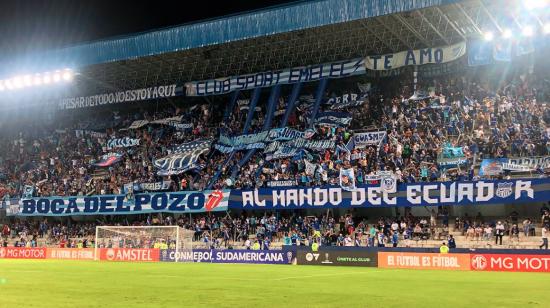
(27, 25)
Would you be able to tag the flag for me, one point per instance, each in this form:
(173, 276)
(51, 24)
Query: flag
(310, 168)
(182, 157)
(347, 179)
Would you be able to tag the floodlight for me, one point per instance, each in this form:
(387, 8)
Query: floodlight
(507, 33)
(535, 4)
(67, 75)
(37, 80)
(527, 31)
(488, 36)
(18, 82)
(27, 80)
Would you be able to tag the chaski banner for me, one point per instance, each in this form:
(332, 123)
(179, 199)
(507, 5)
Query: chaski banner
(432, 55)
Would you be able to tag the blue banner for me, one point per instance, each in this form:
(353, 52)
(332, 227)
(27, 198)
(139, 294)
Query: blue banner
(227, 144)
(176, 202)
(480, 53)
(316, 72)
(415, 194)
(228, 256)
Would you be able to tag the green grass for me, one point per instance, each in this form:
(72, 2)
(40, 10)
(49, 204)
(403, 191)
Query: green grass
(50, 283)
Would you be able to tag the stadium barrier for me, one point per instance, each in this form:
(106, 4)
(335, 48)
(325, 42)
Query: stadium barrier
(504, 260)
(70, 253)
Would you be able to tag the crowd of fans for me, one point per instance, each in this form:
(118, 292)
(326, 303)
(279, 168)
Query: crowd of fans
(485, 122)
(243, 231)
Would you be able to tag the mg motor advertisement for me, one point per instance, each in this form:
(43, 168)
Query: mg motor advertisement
(510, 263)
(338, 257)
(424, 260)
(22, 253)
(129, 254)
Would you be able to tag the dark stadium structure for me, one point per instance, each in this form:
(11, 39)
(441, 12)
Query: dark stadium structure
(306, 33)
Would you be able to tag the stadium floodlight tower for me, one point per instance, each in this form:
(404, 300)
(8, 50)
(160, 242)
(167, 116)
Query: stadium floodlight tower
(172, 238)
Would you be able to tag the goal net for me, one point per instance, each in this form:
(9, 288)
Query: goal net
(172, 238)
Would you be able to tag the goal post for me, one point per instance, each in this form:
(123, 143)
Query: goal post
(173, 238)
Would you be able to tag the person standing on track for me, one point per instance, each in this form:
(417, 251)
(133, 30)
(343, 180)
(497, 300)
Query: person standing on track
(544, 237)
(499, 233)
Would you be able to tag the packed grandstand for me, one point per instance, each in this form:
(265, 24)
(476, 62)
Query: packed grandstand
(365, 151)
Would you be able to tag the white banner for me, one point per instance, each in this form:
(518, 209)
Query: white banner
(122, 143)
(118, 97)
(361, 140)
(531, 162)
(435, 55)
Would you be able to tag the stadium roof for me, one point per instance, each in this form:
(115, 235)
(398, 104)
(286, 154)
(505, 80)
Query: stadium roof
(302, 33)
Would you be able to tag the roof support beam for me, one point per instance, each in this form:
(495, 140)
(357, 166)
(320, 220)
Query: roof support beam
(373, 33)
(491, 17)
(470, 20)
(434, 28)
(412, 29)
(397, 36)
(440, 12)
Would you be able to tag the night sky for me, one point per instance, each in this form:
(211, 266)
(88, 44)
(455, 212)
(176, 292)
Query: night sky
(34, 25)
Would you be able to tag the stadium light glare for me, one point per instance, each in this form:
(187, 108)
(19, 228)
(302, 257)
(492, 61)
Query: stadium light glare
(27, 80)
(9, 86)
(37, 80)
(546, 28)
(488, 36)
(535, 4)
(67, 75)
(2, 88)
(18, 82)
(56, 77)
(46, 79)
(507, 33)
(527, 31)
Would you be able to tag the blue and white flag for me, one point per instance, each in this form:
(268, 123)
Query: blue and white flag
(331, 118)
(346, 101)
(122, 143)
(183, 158)
(28, 190)
(361, 140)
(502, 51)
(347, 179)
(480, 53)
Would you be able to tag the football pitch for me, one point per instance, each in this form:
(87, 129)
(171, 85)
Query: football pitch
(51, 283)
